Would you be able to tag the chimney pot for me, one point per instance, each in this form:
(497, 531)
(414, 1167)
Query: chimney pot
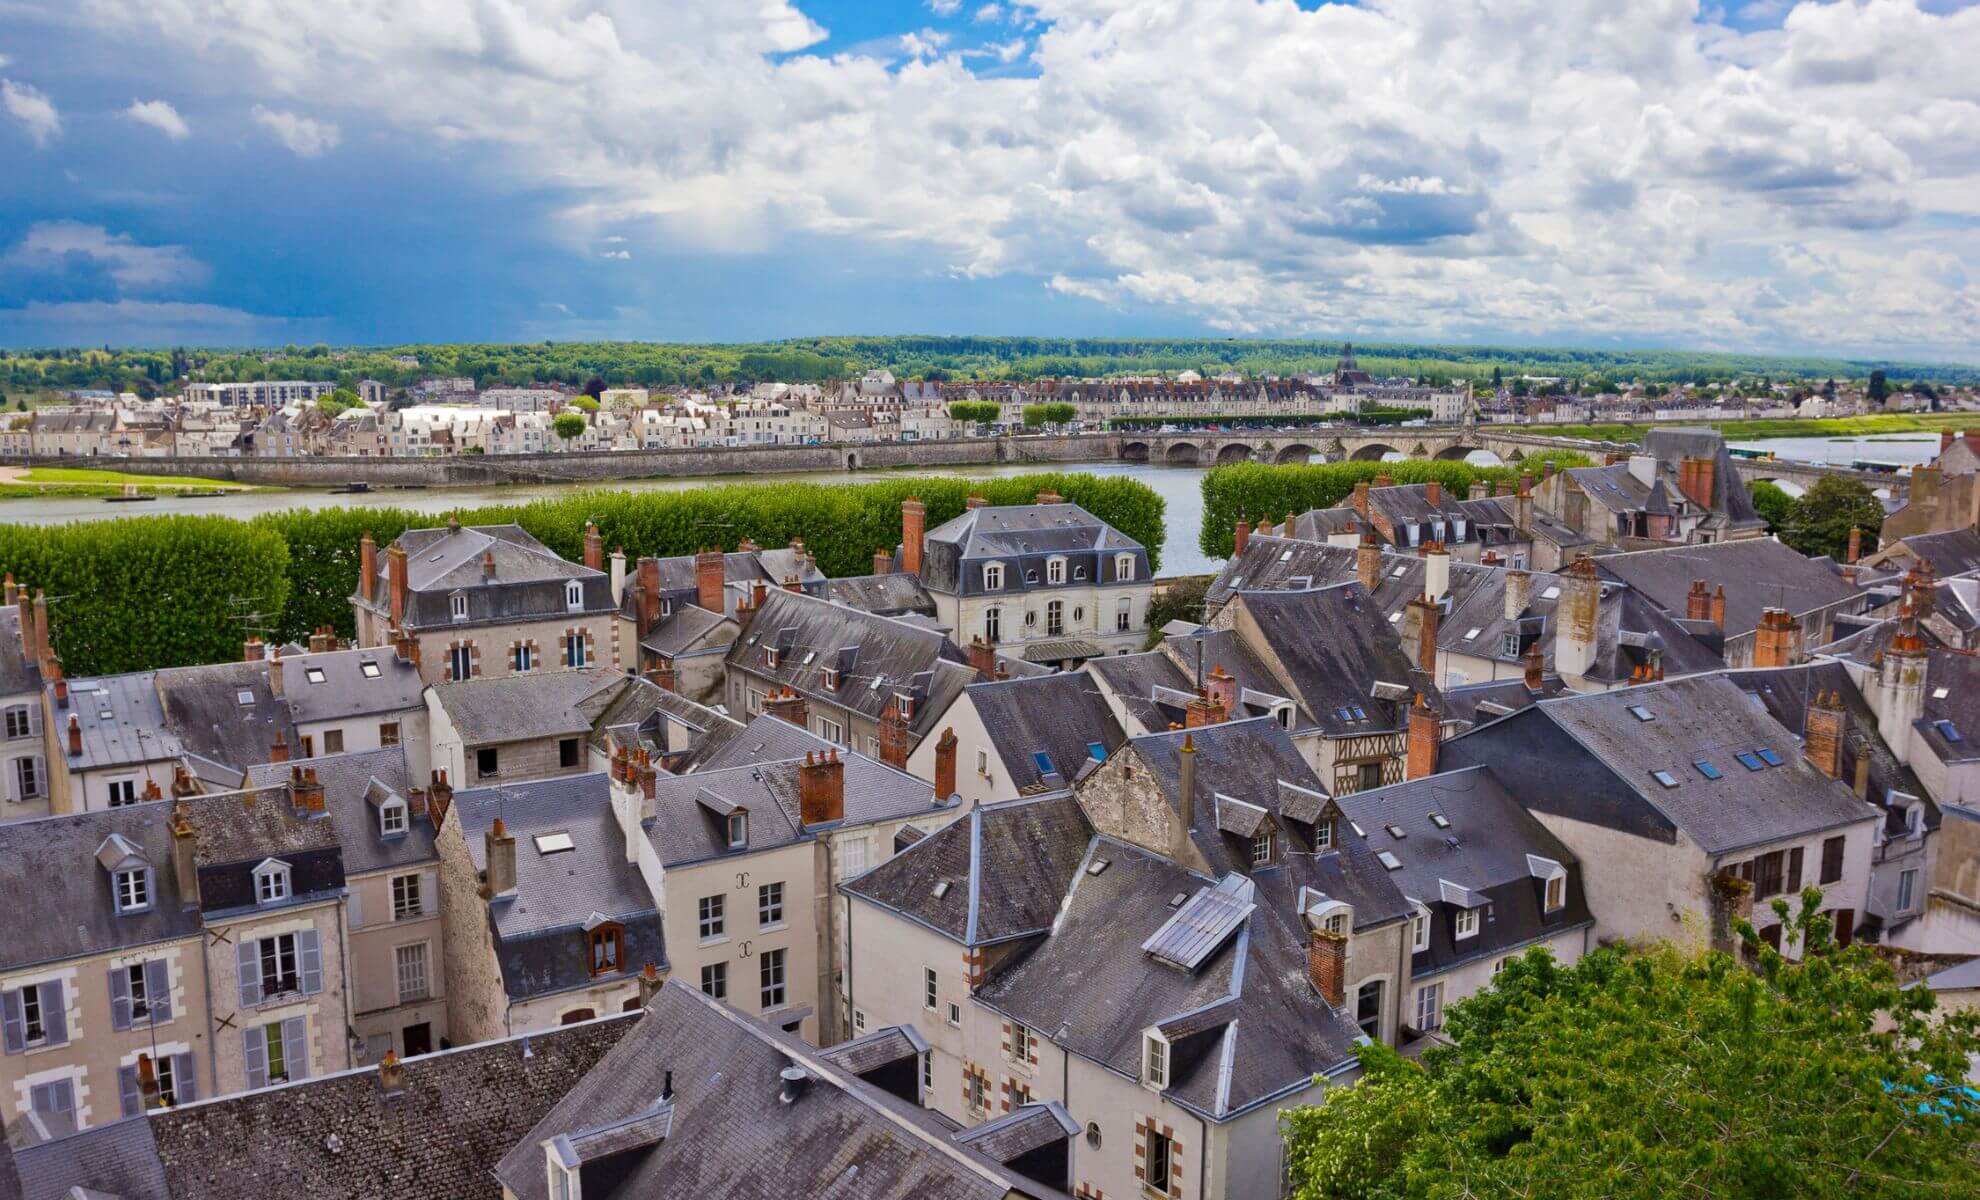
(391, 1074)
(914, 521)
(791, 1086)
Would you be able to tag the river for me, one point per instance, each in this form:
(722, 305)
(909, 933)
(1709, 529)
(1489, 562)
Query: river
(1180, 488)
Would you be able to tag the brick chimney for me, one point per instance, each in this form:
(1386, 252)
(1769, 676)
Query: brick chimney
(12, 590)
(1698, 602)
(1433, 493)
(982, 657)
(945, 765)
(1050, 498)
(663, 676)
(453, 522)
(1822, 743)
(1519, 593)
(1203, 710)
(1223, 688)
(439, 797)
(61, 685)
(44, 635)
(1358, 499)
(499, 845)
(710, 573)
(185, 860)
(275, 672)
(1777, 642)
(1368, 563)
(1263, 528)
(883, 561)
(487, 565)
(1855, 545)
(1425, 728)
(1697, 478)
(75, 736)
(30, 646)
(396, 583)
(1502, 487)
(1577, 618)
(594, 547)
(1240, 536)
(791, 584)
(649, 983)
(821, 788)
(1719, 607)
(367, 566)
(1479, 490)
(279, 751)
(406, 645)
(323, 639)
(914, 523)
(391, 1074)
(254, 650)
(1385, 480)
(1326, 965)
(894, 734)
(1419, 634)
(975, 501)
(1536, 668)
(305, 792)
(787, 705)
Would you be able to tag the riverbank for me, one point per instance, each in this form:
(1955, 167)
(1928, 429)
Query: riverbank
(1774, 428)
(89, 483)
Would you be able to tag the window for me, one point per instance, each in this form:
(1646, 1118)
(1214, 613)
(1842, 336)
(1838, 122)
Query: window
(738, 830)
(1665, 778)
(568, 753)
(140, 992)
(134, 890)
(574, 595)
(927, 1071)
(368, 669)
(993, 625)
(1832, 859)
(1160, 1160)
(1769, 757)
(770, 974)
(770, 905)
(1055, 618)
(457, 605)
(1430, 1006)
(392, 819)
(607, 948)
(1641, 713)
(930, 996)
(712, 921)
(1707, 769)
(715, 980)
(277, 956)
(460, 662)
(1419, 931)
(1510, 647)
(1768, 875)
(388, 734)
(1020, 1044)
(1055, 570)
(1261, 849)
(1155, 1066)
(57, 1099)
(832, 731)
(28, 779)
(993, 578)
(1123, 615)
(333, 741)
(36, 1015)
(271, 882)
(1464, 923)
(852, 857)
(524, 659)
(410, 962)
(277, 1052)
(1907, 890)
(19, 724)
(123, 792)
(1323, 835)
(1368, 1007)
(1556, 892)
(1124, 567)
(575, 646)
(1748, 760)
(1337, 923)
(406, 900)
(979, 1089)
(954, 1014)
(487, 761)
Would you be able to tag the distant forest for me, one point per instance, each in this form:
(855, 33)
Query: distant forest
(936, 358)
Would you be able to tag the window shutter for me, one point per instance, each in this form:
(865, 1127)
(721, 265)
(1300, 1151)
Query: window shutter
(34, 720)
(311, 953)
(158, 989)
(295, 1047)
(40, 775)
(185, 1079)
(247, 962)
(127, 1091)
(1794, 870)
(14, 795)
(120, 998)
(354, 903)
(254, 1041)
(14, 1021)
(54, 1012)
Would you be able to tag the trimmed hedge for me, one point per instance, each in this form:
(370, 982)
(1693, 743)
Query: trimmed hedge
(142, 592)
(1254, 490)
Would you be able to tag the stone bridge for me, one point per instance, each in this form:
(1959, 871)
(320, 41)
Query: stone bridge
(1335, 443)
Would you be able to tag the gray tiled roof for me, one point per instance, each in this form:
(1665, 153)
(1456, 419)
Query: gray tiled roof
(1134, 679)
(117, 1159)
(53, 859)
(527, 584)
(203, 708)
(1958, 675)
(644, 711)
(1060, 716)
(1757, 573)
(513, 708)
(874, 791)
(17, 673)
(1022, 537)
(689, 625)
(887, 595)
(1335, 645)
(247, 826)
(1276, 562)
(346, 778)
(1951, 552)
(438, 1138)
(121, 719)
(345, 689)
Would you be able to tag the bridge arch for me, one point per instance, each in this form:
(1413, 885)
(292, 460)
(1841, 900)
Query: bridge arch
(1373, 452)
(1183, 453)
(1233, 452)
(1135, 452)
(1298, 452)
(1455, 453)
(852, 460)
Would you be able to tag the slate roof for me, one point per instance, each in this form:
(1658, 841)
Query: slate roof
(1278, 562)
(122, 722)
(1482, 847)
(1732, 504)
(203, 708)
(643, 713)
(514, 708)
(53, 859)
(439, 1137)
(1590, 758)
(1059, 716)
(1757, 573)
(730, 1134)
(527, 584)
(1005, 866)
(892, 656)
(1022, 537)
(117, 1159)
(1335, 645)
(1951, 552)
(885, 595)
(345, 689)
(1259, 690)
(685, 629)
(17, 672)
(1137, 680)
(1958, 676)
(347, 780)
(1786, 693)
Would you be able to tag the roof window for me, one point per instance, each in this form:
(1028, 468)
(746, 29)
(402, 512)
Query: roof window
(244, 697)
(1748, 760)
(368, 669)
(1472, 633)
(1707, 769)
(1551, 593)
(1641, 713)
(554, 843)
(313, 674)
(1664, 777)
(1948, 731)
(1395, 831)
(1389, 860)
(1768, 756)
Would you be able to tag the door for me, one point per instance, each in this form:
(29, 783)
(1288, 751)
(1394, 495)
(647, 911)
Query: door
(418, 1039)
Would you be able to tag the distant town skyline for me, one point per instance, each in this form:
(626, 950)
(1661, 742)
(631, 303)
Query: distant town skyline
(1764, 177)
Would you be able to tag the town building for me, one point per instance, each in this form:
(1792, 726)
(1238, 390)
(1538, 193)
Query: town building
(1681, 488)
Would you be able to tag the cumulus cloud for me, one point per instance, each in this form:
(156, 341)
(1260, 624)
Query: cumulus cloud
(57, 247)
(306, 137)
(32, 108)
(1428, 168)
(160, 115)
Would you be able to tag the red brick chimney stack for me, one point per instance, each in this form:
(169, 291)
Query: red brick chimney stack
(1698, 602)
(594, 547)
(279, 751)
(1326, 965)
(1719, 607)
(395, 571)
(983, 657)
(1368, 563)
(1855, 545)
(367, 566)
(787, 705)
(894, 735)
(1777, 642)
(914, 523)
(710, 574)
(1241, 536)
(1425, 728)
(1536, 668)
(1826, 724)
(821, 788)
(945, 765)
(883, 561)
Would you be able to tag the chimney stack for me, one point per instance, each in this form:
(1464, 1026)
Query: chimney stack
(1698, 602)
(253, 649)
(323, 639)
(1536, 668)
(487, 565)
(1368, 563)
(974, 502)
(1240, 537)
(594, 547)
(30, 642)
(1697, 479)
(646, 595)
(791, 1081)
(75, 736)
(1050, 498)
(13, 591)
(1203, 710)
(1577, 618)
(1358, 499)
(1326, 965)
(1719, 607)
(185, 862)
(500, 847)
(406, 646)
(367, 567)
(1223, 689)
(61, 685)
(305, 792)
(1433, 493)
(1479, 490)
(275, 672)
(618, 575)
(1385, 480)
(1822, 743)
(1777, 642)
(710, 576)
(945, 765)
(649, 985)
(391, 1074)
(395, 572)
(983, 657)
(439, 797)
(44, 640)
(279, 751)
(1519, 592)
(894, 734)
(1186, 783)
(914, 521)
(1436, 570)
(883, 561)
(1855, 545)
(1419, 634)
(787, 705)
(1425, 728)
(821, 788)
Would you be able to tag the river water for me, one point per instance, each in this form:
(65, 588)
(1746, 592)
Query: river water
(1180, 488)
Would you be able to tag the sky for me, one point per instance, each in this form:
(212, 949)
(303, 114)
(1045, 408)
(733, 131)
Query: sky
(1761, 176)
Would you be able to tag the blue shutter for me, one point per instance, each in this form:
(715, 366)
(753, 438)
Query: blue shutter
(295, 1047)
(120, 998)
(311, 954)
(14, 1020)
(255, 1046)
(185, 1079)
(127, 1091)
(247, 963)
(158, 989)
(55, 1013)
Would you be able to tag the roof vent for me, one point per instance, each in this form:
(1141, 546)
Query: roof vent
(793, 1080)
(1098, 865)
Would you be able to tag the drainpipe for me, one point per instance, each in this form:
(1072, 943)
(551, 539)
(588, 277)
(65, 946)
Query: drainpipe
(212, 1043)
(344, 940)
(1203, 1158)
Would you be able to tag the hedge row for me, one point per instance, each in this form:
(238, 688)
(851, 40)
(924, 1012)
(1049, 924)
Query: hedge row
(1254, 490)
(148, 592)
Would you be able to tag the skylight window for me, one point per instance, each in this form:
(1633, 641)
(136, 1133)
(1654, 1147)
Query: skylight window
(1472, 633)
(313, 674)
(941, 889)
(1096, 866)
(1769, 757)
(1748, 760)
(1356, 826)
(368, 669)
(1395, 831)
(1389, 860)
(1097, 750)
(1042, 761)
(808, 656)
(1641, 713)
(554, 843)
(1940, 693)
(1948, 731)
(1286, 557)
(1399, 572)
(244, 697)
(1664, 777)
(1440, 820)
(1551, 593)
(1707, 769)
(1394, 617)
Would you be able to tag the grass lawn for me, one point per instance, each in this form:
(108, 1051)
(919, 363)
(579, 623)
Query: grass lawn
(91, 481)
(1789, 427)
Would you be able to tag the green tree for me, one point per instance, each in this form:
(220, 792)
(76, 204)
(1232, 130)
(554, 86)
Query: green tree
(340, 400)
(980, 412)
(584, 404)
(1825, 514)
(1655, 1073)
(1038, 415)
(1878, 390)
(569, 425)
(1772, 503)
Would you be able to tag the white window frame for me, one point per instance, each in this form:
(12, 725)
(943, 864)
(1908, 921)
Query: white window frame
(712, 917)
(133, 889)
(411, 970)
(574, 596)
(393, 818)
(272, 882)
(576, 649)
(931, 989)
(523, 661)
(770, 905)
(993, 624)
(772, 976)
(738, 830)
(406, 888)
(1155, 1050)
(1055, 570)
(30, 778)
(715, 980)
(1020, 1044)
(1907, 889)
(460, 662)
(993, 577)
(123, 792)
(1430, 1006)
(1464, 924)
(1549, 900)
(457, 606)
(19, 714)
(1124, 568)
(1419, 928)
(1055, 618)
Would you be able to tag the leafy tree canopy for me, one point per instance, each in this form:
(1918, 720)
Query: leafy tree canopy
(1824, 515)
(569, 425)
(1658, 1074)
(1772, 503)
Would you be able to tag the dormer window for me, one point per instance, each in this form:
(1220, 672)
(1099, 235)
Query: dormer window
(1123, 567)
(133, 889)
(271, 882)
(1055, 570)
(574, 595)
(1556, 893)
(993, 577)
(563, 1179)
(607, 946)
(1323, 835)
(771, 657)
(392, 819)
(1031, 576)
(1155, 1061)
(1464, 923)
(831, 679)
(738, 830)
(1419, 930)
(457, 606)
(1262, 847)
